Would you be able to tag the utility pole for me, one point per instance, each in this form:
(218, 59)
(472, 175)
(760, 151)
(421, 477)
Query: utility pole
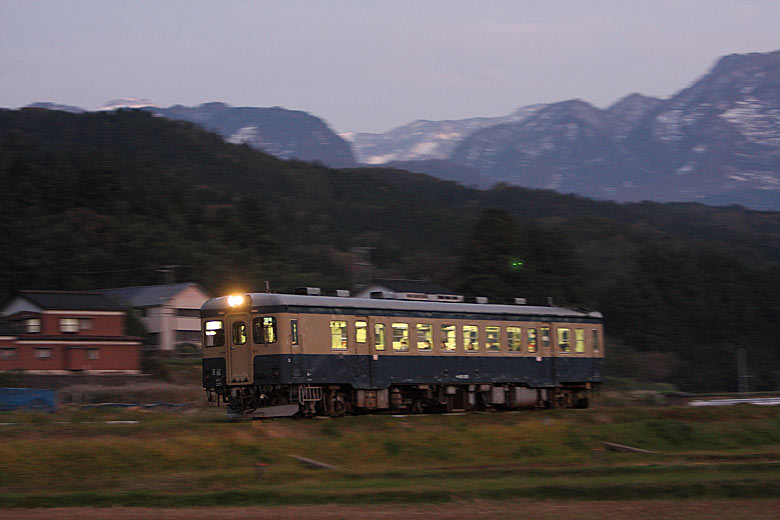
(742, 371)
(166, 312)
(361, 267)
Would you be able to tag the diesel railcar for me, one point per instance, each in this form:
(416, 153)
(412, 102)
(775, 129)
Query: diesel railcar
(337, 355)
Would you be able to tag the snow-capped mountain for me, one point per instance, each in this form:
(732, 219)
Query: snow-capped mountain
(423, 140)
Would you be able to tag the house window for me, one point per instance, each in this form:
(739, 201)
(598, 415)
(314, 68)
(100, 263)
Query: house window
(531, 340)
(32, 325)
(86, 323)
(294, 332)
(424, 336)
(448, 342)
(514, 337)
(596, 343)
(564, 340)
(93, 354)
(470, 338)
(401, 336)
(264, 330)
(7, 354)
(492, 341)
(361, 331)
(69, 325)
(579, 341)
(239, 333)
(42, 353)
(379, 336)
(215, 333)
(188, 313)
(338, 335)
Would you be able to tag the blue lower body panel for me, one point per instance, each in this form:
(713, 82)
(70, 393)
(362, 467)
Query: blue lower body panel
(367, 372)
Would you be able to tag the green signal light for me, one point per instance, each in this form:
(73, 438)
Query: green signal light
(516, 264)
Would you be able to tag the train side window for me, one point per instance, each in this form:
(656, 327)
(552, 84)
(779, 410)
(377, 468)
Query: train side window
(470, 338)
(596, 344)
(424, 336)
(545, 337)
(264, 330)
(294, 332)
(492, 339)
(361, 331)
(579, 341)
(448, 341)
(401, 336)
(239, 333)
(514, 338)
(338, 335)
(379, 336)
(214, 331)
(564, 340)
(532, 340)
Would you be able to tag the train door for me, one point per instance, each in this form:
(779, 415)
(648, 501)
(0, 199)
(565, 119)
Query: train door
(548, 353)
(361, 365)
(239, 350)
(296, 348)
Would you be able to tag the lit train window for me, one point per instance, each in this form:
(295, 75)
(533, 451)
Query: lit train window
(596, 345)
(338, 335)
(514, 338)
(294, 332)
(470, 338)
(564, 340)
(239, 333)
(545, 337)
(361, 331)
(379, 336)
(448, 342)
(214, 333)
(401, 336)
(532, 340)
(424, 336)
(579, 341)
(264, 330)
(492, 341)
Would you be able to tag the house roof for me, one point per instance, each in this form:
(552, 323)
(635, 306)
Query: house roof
(70, 300)
(413, 286)
(148, 295)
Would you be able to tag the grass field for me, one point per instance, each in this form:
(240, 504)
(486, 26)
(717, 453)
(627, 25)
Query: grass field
(196, 458)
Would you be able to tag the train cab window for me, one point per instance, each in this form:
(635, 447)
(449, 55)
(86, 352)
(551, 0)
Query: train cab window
(338, 335)
(532, 340)
(214, 332)
(361, 331)
(448, 342)
(294, 332)
(564, 340)
(401, 336)
(579, 341)
(424, 337)
(492, 341)
(514, 338)
(264, 330)
(596, 343)
(380, 336)
(239, 333)
(545, 337)
(470, 338)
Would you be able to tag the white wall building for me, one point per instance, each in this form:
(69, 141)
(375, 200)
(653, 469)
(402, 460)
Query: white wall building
(170, 313)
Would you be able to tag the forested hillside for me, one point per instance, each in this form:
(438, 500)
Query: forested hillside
(104, 199)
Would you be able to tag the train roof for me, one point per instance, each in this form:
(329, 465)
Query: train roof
(294, 300)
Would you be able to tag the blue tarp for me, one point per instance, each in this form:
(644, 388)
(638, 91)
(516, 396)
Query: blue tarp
(27, 399)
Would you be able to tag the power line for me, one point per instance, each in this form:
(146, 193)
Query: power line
(55, 273)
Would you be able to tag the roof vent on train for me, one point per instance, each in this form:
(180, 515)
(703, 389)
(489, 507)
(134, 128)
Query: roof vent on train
(477, 299)
(310, 291)
(516, 301)
(339, 293)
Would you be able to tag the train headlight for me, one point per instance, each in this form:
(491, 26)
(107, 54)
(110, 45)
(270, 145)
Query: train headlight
(236, 300)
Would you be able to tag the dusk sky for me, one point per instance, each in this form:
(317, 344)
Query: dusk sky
(368, 65)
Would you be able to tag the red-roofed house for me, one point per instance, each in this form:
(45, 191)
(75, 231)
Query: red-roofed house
(58, 332)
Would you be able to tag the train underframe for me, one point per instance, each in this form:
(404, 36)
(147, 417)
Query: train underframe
(336, 400)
